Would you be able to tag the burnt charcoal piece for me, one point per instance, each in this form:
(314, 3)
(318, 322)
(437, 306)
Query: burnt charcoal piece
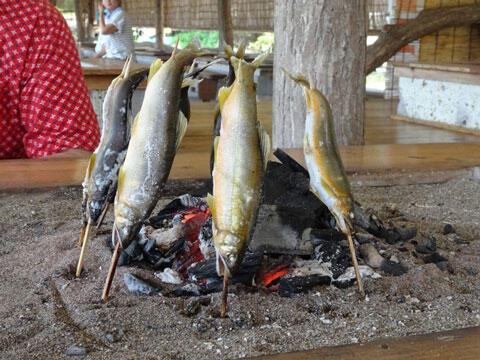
(289, 286)
(427, 246)
(448, 229)
(373, 225)
(320, 236)
(343, 284)
(436, 259)
(205, 237)
(183, 202)
(129, 254)
(189, 290)
(272, 235)
(392, 268)
(328, 249)
(207, 269)
(290, 162)
(139, 286)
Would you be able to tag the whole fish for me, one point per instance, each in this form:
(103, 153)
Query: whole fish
(241, 155)
(156, 135)
(101, 176)
(229, 81)
(328, 180)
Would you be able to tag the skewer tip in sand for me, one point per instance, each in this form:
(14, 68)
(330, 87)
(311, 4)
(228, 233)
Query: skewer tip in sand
(84, 248)
(355, 263)
(111, 273)
(223, 313)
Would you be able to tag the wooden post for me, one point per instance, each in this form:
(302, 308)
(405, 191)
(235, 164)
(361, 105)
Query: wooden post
(326, 40)
(79, 19)
(159, 24)
(225, 29)
(91, 19)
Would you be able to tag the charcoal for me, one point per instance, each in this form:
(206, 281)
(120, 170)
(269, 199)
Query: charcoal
(364, 238)
(292, 164)
(207, 269)
(168, 240)
(427, 246)
(205, 237)
(132, 252)
(169, 276)
(320, 236)
(289, 286)
(139, 286)
(436, 259)
(406, 233)
(189, 290)
(273, 235)
(181, 203)
(330, 251)
(275, 181)
(392, 268)
(448, 229)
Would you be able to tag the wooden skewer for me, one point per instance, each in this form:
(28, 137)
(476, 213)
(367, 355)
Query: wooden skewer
(224, 295)
(84, 247)
(355, 263)
(102, 216)
(111, 272)
(82, 234)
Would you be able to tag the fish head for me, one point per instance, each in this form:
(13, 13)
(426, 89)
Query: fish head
(227, 252)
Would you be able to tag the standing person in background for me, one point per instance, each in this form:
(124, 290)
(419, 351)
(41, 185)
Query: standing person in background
(115, 40)
(45, 108)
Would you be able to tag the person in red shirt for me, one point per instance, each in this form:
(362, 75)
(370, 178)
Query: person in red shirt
(45, 108)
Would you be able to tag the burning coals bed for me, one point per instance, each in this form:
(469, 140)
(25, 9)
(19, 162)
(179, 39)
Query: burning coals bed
(295, 245)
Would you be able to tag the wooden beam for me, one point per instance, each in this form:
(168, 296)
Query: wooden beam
(79, 19)
(461, 344)
(159, 12)
(225, 29)
(437, 124)
(393, 37)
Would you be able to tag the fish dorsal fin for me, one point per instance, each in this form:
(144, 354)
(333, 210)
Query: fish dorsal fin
(189, 82)
(194, 73)
(265, 144)
(156, 65)
(223, 95)
(210, 202)
(181, 129)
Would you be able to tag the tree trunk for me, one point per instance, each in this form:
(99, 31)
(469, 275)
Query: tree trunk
(79, 19)
(225, 31)
(394, 37)
(325, 40)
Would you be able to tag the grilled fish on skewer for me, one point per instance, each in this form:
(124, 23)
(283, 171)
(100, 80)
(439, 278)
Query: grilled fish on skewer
(156, 135)
(241, 154)
(101, 176)
(328, 180)
(230, 79)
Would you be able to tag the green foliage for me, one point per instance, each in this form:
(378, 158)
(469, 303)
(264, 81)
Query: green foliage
(263, 43)
(208, 39)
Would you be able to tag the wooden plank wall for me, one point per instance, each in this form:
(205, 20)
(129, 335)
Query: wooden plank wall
(460, 44)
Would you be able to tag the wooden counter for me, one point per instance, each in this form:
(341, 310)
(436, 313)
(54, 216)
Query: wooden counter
(99, 73)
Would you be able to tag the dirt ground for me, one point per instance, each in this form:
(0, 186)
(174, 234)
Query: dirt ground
(47, 313)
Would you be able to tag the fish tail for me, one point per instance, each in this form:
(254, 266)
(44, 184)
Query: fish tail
(194, 47)
(299, 78)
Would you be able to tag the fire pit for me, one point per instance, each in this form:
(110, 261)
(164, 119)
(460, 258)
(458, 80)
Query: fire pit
(295, 245)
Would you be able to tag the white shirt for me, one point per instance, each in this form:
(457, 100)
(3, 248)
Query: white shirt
(119, 44)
